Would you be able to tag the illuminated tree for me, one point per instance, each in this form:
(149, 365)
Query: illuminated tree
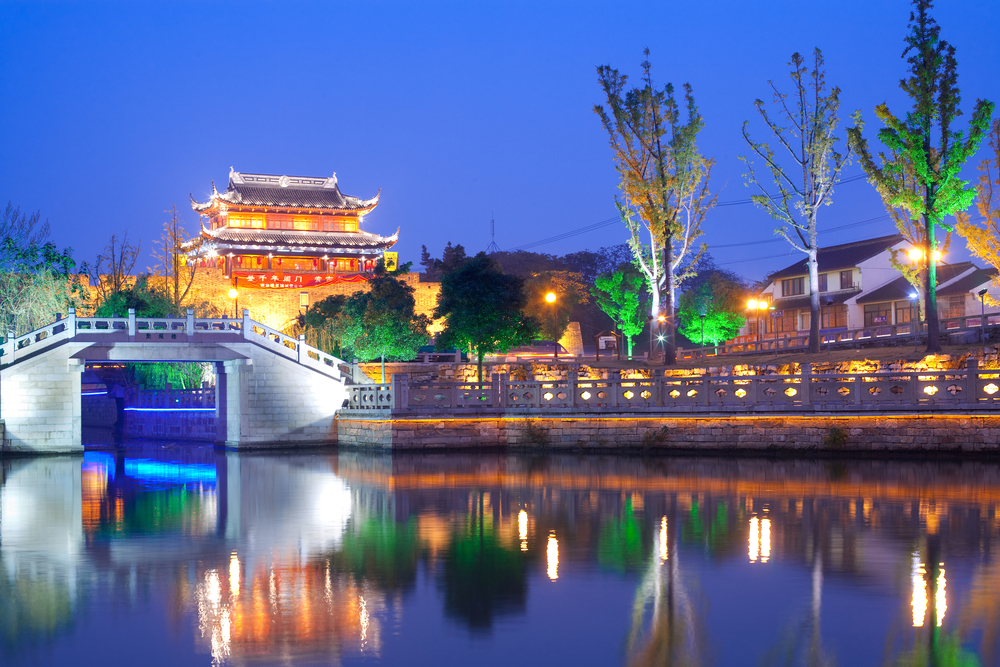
(983, 237)
(172, 265)
(664, 180)
(809, 169)
(920, 171)
(619, 295)
(382, 323)
(36, 282)
(113, 270)
(714, 308)
(483, 309)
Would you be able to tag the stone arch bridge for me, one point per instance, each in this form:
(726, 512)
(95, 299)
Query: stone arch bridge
(271, 390)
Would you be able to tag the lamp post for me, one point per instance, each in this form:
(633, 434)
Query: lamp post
(914, 322)
(982, 317)
(551, 298)
(234, 294)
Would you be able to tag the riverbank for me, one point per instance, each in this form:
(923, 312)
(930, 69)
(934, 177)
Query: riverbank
(918, 432)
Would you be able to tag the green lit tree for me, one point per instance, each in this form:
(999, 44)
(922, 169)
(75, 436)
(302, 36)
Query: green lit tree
(713, 307)
(619, 295)
(382, 323)
(919, 173)
(554, 317)
(483, 310)
(809, 168)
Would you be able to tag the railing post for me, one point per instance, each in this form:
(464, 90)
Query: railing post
(11, 340)
(71, 322)
(300, 346)
(805, 386)
(571, 387)
(503, 389)
(400, 391)
(246, 322)
(190, 321)
(972, 381)
(131, 323)
(858, 386)
(614, 386)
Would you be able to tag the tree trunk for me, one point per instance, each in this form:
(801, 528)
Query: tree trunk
(814, 305)
(930, 285)
(669, 351)
(383, 369)
(479, 370)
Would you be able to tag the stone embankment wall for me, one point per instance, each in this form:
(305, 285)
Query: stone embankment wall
(723, 433)
(170, 425)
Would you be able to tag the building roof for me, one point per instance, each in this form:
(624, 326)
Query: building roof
(844, 256)
(273, 191)
(228, 238)
(900, 288)
(968, 283)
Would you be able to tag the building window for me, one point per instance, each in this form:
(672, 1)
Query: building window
(823, 282)
(952, 306)
(305, 224)
(833, 316)
(847, 280)
(247, 221)
(877, 314)
(793, 286)
(279, 222)
(904, 312)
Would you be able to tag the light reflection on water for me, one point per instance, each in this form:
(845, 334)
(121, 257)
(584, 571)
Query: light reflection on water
(225, 559)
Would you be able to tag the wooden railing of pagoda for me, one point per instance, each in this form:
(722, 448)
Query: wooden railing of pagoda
(964, 389)
(172, 330)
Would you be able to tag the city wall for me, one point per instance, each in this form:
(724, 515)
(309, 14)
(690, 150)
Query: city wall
(922, 433)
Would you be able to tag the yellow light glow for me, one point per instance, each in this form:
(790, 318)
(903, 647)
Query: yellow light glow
(765, 540)
(552, 556)
(762, 305)
(234, 575)
(661, 318)
(753, 547)
(918, 601)
(663, 539)
(936, 255)
(550, 297)
(940, 599)
(752, 304)
(915, 253)
(522, 529)
(233, 293)
(363, 618)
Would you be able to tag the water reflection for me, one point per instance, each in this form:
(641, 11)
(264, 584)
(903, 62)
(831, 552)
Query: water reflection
(327, 558)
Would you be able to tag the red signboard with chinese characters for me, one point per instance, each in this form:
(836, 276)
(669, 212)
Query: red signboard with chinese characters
(281, 280)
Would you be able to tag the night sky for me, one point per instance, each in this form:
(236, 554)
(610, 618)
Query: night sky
(458, 111)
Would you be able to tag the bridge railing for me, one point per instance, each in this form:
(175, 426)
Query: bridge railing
(969, 388)
(173, 329)
(172, 398)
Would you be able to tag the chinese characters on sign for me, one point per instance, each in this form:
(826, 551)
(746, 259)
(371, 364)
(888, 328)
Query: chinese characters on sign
(275, 280)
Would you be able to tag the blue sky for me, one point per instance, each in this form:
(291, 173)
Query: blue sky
(457, 111)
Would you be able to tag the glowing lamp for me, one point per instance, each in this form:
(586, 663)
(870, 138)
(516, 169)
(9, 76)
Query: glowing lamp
(233, 293)
(762, 305)
(915, 253)
(661, 318)
(550, 297)
(752, 304)
(936, 255)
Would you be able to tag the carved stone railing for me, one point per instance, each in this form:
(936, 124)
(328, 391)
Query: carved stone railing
(171, 330)
(964, 389)
(172, 398)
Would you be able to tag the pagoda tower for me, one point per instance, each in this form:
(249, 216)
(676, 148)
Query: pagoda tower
(279, 232)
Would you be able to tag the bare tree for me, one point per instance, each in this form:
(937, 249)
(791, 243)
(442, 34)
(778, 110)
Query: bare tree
(24, 231)
(172, 265)
(805, 186)
(113, 270)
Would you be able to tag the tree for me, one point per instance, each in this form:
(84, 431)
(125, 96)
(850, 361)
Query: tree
(984, 239)
(172, 265)
(451, 258)
(664, 179)
(710, 312)
(382, 323)
(146, 301)
(920, 172)
(815, 165)
(36, 282)
(24, 231)
(113, 270)
(483, 309)
(554, 317)
(619, 295)
(323, 325)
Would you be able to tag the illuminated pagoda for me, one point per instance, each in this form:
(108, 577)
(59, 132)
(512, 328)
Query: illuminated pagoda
(275, 232)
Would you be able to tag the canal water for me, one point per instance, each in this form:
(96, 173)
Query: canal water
(181, 555)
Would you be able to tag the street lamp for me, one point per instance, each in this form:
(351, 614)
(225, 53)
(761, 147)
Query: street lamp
(982, 316)
(914, 321)
(551, 298)
(233, 294)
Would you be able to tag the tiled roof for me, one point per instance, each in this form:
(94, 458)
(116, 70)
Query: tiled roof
(900, 288)
(280, 237)
(799, 302)
(274, 191)
(968, 283)
(844, 256)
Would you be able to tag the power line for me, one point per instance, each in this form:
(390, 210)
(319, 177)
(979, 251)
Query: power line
(611, 221)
